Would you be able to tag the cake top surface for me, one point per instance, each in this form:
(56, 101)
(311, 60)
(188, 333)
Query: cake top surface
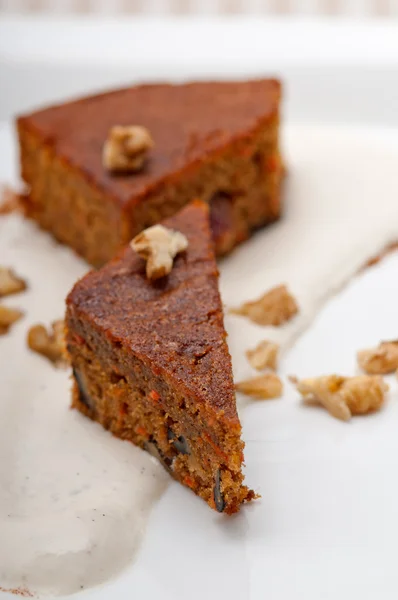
(186, 122)
(175, 324)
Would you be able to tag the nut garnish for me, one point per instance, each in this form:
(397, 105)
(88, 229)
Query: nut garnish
(380, 360)
(159, 246)
(126, 148)
(49, 344)
(344, 396)
(263, 356)
(265, 387)
(8, 316)
(273, 308)
(10, 283)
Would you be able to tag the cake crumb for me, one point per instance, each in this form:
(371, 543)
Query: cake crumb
(126, 148)
(18, 592)
(381, 360)
(10, 282)
(10, 200)
(264, 387)
(8, 316)
(344, 396)
(263, 356)
(392, 247)
(49, 344)
(275, 307)
(159, 246)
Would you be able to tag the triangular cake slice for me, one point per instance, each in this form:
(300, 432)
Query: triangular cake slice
(151, 363)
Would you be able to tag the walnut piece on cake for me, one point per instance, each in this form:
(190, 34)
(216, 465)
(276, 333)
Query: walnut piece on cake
(275, 307)
(50, 344)
(10, 283)
(8, 316)
(263, 356)
(344, 396)
(264, 387)
(126, 148)
(381, 360)
(159, 246)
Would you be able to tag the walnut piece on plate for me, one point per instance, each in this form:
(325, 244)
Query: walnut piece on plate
(8, 316)
(263, 356)
(264, 387)
(10, 283)
(381, 360)
(344, 396)
(50, 344)
(126, 148)
(275, 307)
(159, 246)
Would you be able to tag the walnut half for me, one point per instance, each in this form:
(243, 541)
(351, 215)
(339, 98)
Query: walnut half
(126, 148)
(381, 360)
(49, 344)
(273, 308)
(159, 246)
(344, 396)
(264, 387)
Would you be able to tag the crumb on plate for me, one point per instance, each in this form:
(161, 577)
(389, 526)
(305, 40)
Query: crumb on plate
(8, 316)
(10, 282)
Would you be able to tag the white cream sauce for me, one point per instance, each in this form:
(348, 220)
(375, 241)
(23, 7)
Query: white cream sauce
(73, 500)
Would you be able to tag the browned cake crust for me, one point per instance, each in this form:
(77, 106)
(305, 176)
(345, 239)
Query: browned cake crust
(151, 363)
(214, 141)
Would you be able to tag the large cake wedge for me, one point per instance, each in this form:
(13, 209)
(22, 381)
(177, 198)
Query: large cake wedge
(217, 141)
(151, 363)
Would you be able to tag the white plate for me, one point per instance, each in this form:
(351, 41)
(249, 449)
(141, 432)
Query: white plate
(327, 524)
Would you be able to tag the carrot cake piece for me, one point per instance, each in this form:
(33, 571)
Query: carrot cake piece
(101, 169)
(151, 364)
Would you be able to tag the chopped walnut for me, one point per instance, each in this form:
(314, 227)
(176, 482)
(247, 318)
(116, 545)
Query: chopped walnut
(159, 246)
(265, 387)
(273, 308)
(8, 316)
(263, 356)
(49, 344)
(380, 360)
(126, 148)
(344, 396)
(10, 283)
